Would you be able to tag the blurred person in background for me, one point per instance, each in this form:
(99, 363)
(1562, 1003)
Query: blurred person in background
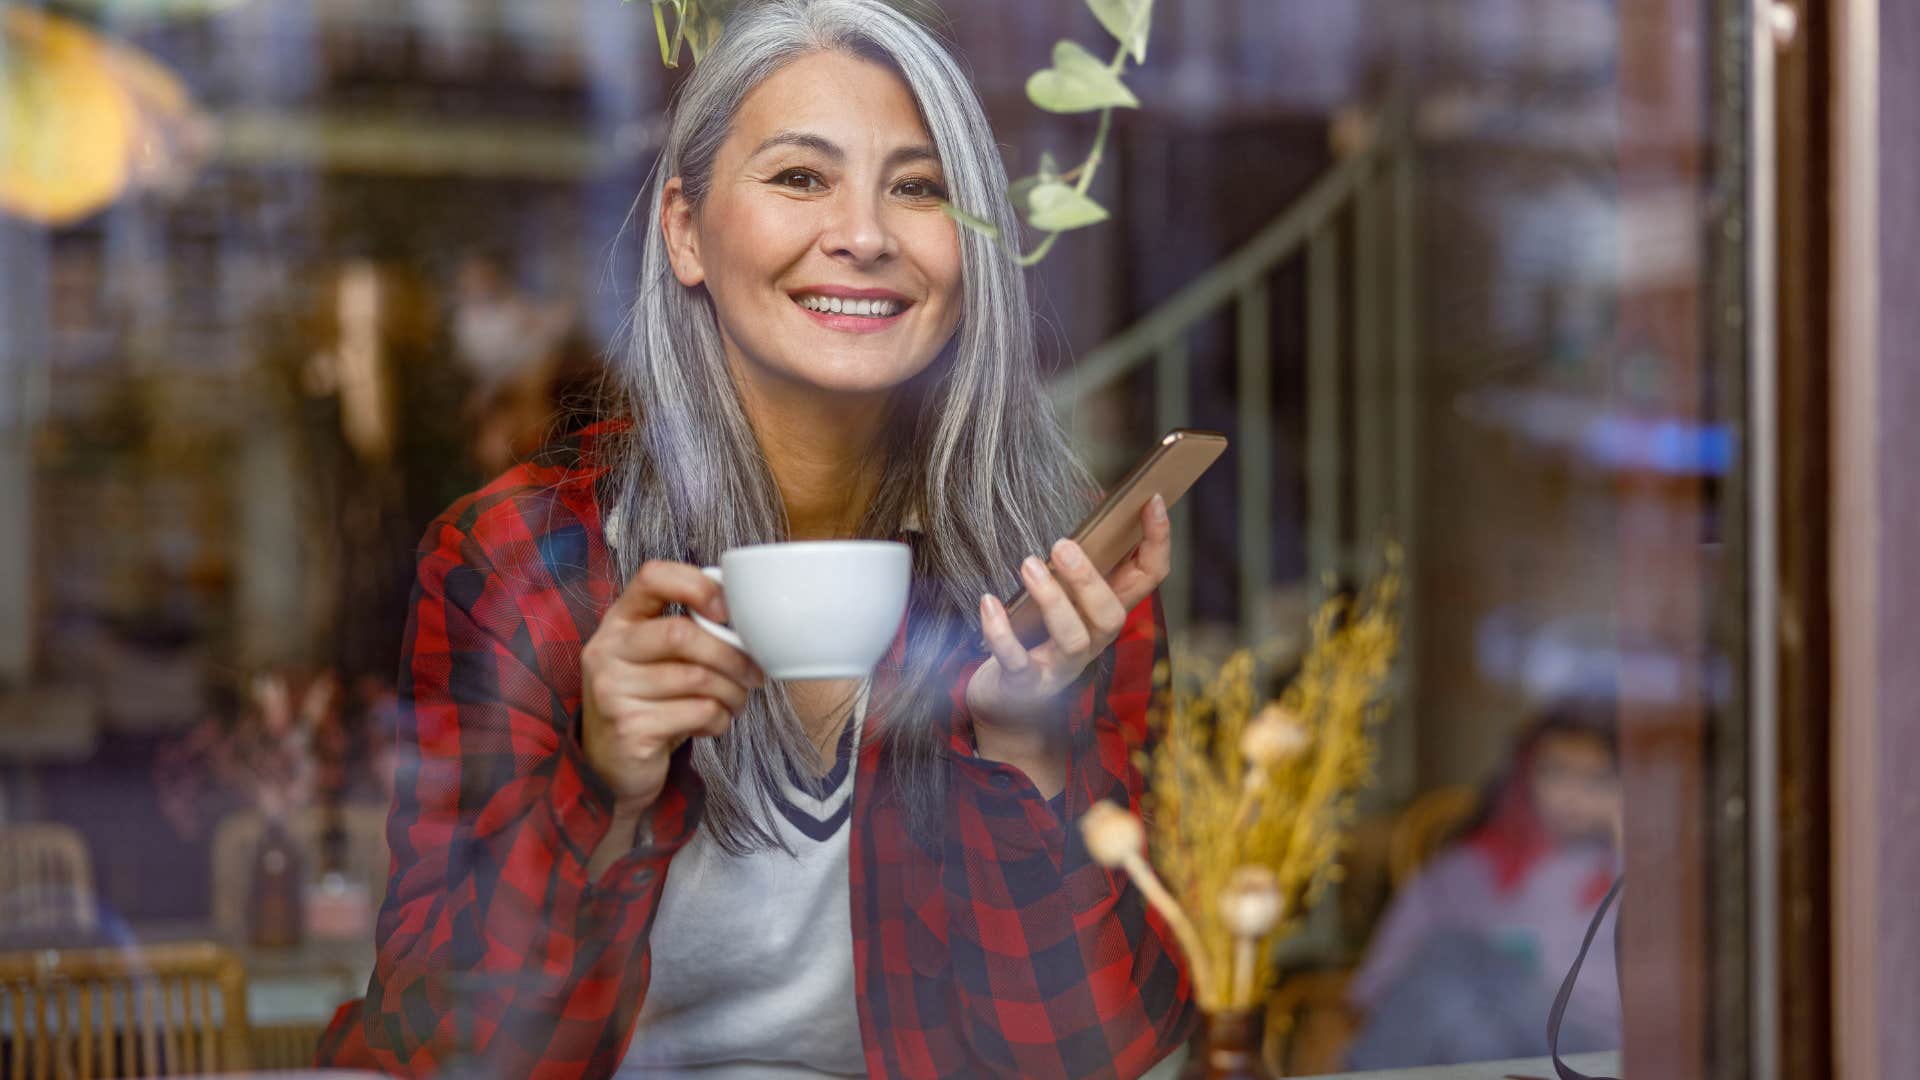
(511, 418)
(499, 330)
(1466, 962)
(532, 374)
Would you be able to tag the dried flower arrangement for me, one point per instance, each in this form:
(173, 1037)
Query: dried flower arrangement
(1249, 802)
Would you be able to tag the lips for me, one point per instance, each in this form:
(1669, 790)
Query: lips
(849, 321)
(848, 310)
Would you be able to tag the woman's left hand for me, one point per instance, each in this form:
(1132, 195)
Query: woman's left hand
(1019, 687)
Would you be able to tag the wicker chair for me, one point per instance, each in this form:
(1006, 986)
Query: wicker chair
(46, 881)
(154, 1010)
(285, 1046)
(1309, 1024)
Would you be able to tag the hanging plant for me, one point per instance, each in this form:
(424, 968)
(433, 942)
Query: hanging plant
(688, 24)
(1052, 200)
(1055, 201)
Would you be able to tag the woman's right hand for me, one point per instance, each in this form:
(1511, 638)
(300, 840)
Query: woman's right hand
(651, 682)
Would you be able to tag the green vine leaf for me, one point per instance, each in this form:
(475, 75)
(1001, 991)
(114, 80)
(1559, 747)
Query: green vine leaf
(1127, 21)
(696, 25)
(669, 44)
(1020, 194)
(1078, 82)
(977, 224)
(702, 35)
(1057, 207)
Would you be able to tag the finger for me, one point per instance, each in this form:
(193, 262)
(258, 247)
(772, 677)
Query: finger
(676, 720)
(680, 638)
(1064, 626)
(677, 679)
(1002, 643)
(659, 583)
(1099, 608)
(1148, 566)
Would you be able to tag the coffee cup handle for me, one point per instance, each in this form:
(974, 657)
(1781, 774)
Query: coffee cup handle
(714, 628)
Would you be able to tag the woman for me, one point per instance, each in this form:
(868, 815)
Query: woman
(1468, 958)
(617, 848)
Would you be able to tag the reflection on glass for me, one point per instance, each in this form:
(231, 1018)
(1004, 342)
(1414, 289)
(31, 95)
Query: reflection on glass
(282, 282)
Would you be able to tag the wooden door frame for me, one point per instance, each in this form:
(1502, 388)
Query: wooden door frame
(1794, 1012)
(1847, 939)
(1854, 530)
(1875, 524)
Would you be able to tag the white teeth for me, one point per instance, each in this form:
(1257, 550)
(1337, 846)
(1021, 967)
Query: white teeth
(871, 309)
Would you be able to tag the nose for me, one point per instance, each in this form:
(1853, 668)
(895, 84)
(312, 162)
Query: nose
(857, 231)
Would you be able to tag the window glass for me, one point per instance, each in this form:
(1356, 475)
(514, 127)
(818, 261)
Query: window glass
(1460, 279)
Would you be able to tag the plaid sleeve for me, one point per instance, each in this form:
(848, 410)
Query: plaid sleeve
(493, 944)
(1061, 969)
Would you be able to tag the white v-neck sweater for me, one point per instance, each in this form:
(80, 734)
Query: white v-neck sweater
(753, 955)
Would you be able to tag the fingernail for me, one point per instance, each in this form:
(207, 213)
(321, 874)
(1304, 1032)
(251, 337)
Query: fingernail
(1034, 568)
(1068, 553)
(986, 605)
(1159, 506)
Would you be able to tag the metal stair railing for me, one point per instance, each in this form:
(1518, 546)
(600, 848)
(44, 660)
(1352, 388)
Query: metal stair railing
(1361, 385)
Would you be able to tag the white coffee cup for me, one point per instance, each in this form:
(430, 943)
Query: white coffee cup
(814, 609)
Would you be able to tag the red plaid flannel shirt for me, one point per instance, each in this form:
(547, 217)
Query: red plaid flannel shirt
(1006, 951)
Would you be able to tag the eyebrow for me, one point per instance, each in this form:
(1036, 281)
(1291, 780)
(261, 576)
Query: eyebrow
(807, 140)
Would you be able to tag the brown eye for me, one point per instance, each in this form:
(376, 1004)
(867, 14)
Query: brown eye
(798, 180)
(921, 189)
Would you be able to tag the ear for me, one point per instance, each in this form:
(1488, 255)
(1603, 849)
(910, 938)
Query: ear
(676, 228)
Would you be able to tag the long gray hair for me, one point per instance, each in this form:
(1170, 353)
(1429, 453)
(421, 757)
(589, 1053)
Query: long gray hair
(972, 450)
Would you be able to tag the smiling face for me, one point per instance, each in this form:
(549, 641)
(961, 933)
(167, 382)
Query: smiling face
(820, 237)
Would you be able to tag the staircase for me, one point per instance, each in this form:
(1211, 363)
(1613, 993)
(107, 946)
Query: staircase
(1352, 234)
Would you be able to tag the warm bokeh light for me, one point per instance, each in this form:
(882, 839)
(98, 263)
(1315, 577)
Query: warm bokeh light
(83, 117)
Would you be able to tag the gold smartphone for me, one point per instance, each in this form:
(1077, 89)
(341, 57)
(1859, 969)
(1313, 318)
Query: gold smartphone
(1111, 532)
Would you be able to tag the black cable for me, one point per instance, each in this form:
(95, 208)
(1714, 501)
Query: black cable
(1567, 1072)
